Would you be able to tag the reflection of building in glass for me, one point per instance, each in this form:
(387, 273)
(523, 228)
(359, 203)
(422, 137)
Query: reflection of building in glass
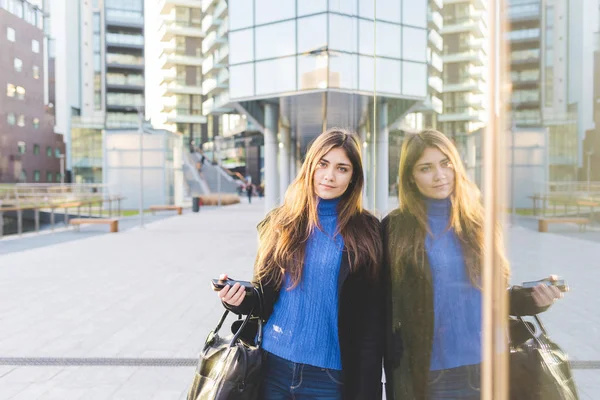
(99, 72)
(178, 72)
(465, 69)
(86, 150)
(591, 145)
(299, 67)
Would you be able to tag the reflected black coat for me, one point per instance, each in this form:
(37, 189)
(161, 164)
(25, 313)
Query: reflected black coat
(409, 315)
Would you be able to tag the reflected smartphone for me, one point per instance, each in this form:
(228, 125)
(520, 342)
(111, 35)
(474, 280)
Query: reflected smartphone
(219, 284)
(559, 284)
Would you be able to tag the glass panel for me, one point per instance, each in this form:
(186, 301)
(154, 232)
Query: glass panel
(312, 71)
(274, 10)
(241, 80)
(312, 33)
(388, 76)
(366, 67)
(388, 44)
(414, 44)
(389, 10)
(414, 78)
(343, 33)
(241, 44)
(276, 76)
(365, 37)
(281, 38)
(311, 7)
(349, 7)
(366, 9)
(414, 13)
(343, 71)
(241, 14)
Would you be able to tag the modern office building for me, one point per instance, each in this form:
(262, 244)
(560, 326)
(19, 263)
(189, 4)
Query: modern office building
(174, 61)
(99, 68)
(320, 69)
(465, 69)
(30, 151)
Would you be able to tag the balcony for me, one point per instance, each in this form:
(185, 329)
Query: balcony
(473, 24)
(461, 114)
(220, 9)
(212, 42)
(169, 75)
(222, 55)
(212, 86)
(210, 68)
(166, 6)
(168, 61)
(436, 40)
(435, 60)
(170, 29)
(207, 4)
(178, 117)
(169, 103)
(210, 23)
(217, 105)
(435, 19)
(436, 83)
(468, 85)
(476, 57)
(172, 88)
(123, 40)
(438, 3)
(124, 19)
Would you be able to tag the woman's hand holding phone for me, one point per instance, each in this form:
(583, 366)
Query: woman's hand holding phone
(232, 295)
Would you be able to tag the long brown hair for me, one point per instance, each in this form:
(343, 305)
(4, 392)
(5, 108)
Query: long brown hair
(284, 232)
(466, 214)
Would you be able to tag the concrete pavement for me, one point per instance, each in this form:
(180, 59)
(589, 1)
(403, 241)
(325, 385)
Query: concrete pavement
(85, 312)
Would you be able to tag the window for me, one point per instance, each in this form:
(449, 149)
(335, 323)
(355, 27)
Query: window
(36, 149)
(10, 90)
(10, 118)
(48, 176)
(18, 64)
(36, 176)
(23, 175)
(49, 151)
(57, 152)
(36, 123)
(10, 34)
(21, 147)
(20, 93)
(21, 120)
(36, 72)
(35, 46)
(57, 177)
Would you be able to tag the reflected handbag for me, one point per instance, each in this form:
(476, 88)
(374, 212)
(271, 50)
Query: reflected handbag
(229, 367)
(539, 368)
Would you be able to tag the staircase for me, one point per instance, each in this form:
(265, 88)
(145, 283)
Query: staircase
(210, 176)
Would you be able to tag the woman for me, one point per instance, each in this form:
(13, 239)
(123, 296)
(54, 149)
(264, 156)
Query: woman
(318, 266)
(433, 245)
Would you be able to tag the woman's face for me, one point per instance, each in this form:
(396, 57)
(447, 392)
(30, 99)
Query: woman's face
(433, 174)
(333, 174)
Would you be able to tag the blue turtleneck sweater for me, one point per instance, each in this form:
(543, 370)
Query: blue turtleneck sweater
(457, 303)
(304, 325)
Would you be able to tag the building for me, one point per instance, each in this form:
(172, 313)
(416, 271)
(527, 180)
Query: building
(99, 68)
(177, 76)
(465, 70)
(318, 71)
(30, 151)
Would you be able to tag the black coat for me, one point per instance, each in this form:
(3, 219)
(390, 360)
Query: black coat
(410, 315)
(360, 328)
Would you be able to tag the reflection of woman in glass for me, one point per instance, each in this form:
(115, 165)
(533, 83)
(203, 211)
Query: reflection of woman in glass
(317, 265)
(433, 244)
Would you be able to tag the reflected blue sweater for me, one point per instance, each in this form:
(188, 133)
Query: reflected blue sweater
(457, 303)
(304, 325)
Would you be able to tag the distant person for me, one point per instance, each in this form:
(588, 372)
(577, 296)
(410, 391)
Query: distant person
(249, 192)
(203, 159)
(318, 268)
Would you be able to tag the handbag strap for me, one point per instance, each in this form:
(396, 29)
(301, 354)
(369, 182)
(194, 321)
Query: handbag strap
(259, 336)
(532, 332)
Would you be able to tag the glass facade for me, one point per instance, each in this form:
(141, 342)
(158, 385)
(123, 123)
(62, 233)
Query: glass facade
(324, 44)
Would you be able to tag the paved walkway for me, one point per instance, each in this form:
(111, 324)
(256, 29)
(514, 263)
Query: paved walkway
(94, 315)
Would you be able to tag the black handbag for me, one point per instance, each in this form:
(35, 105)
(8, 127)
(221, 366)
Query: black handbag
(229, 367)
(539, 368)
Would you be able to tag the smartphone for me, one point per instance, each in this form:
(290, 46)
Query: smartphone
(559, 284)
(219, 284)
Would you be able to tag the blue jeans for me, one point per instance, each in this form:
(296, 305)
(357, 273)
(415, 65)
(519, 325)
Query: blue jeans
(455, 383)
(285, 379)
